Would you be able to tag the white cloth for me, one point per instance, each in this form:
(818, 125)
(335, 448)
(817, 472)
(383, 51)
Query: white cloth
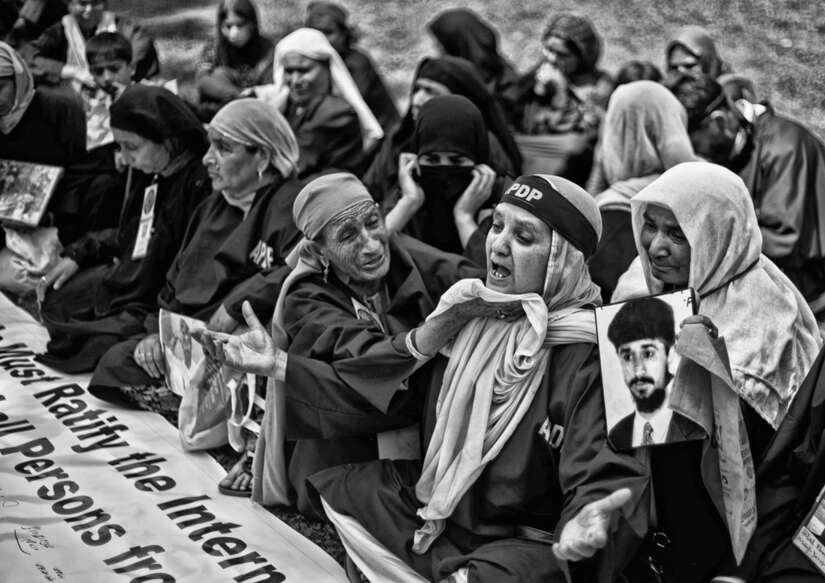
(312, 44)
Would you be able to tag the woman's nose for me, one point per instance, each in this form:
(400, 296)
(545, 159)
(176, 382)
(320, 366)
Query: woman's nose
(658, 246)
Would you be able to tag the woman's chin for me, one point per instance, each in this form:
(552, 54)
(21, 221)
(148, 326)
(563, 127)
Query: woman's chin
(499, 284)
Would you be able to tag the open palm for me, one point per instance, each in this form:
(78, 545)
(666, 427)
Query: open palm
(251, 352)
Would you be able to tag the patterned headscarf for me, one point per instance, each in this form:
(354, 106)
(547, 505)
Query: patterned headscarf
(11, 65)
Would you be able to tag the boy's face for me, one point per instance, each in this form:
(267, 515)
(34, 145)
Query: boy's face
(112, 75)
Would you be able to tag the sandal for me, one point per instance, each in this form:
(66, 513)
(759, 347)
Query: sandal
(240, 472)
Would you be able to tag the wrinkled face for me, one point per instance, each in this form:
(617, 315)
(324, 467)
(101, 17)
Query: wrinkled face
(336, 36)
(236, 30)
(232, 168)
(423, 91)
(666, 245)
(88, 13)
(681, 61)
(518, 250)
(557, 52)
(7, 92)
(141, 153)
(305, 77)
(112, 75)
(357, 245)
(645, 372)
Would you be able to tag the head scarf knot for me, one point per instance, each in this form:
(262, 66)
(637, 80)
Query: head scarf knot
(254, 123)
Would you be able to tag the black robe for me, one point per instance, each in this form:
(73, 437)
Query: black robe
(109, 297)
(225, 258)
(343, 372)
(372, 88)
(556, 461)
(328, 135)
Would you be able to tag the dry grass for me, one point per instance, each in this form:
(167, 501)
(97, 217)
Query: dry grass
(778, 43)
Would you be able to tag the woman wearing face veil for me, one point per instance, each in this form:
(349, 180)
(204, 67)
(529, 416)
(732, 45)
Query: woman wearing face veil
(438, 77)
(446, 174)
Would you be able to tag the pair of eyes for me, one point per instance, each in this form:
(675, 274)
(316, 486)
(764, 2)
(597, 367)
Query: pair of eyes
(350, 233)
(673, 233)
(646, 354)
(522, 235)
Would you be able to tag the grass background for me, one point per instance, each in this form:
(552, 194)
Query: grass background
(780, 44)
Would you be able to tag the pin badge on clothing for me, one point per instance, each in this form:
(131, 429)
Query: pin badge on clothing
(147, 217)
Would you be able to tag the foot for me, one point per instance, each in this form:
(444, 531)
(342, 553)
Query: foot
(238, 482)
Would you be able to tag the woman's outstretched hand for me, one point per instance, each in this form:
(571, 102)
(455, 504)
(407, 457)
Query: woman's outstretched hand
(251, 352)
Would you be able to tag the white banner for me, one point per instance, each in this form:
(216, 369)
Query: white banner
(93, 492)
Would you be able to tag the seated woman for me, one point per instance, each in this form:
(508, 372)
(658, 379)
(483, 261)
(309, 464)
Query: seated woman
(235, 243)
(342, 320)
(644, 134)
(35, 125)
(331, 19)
(435, 77)
(462, 33)
(514, 424)
(319, 99)
(59, 54)
(563, 99)
(239, 59)
(692, 51)
(446, 169)
(121, 270)
(38, 127)
(695, 226)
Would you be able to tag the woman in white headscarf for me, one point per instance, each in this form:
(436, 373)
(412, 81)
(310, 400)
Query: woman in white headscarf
(514, 424)
(314, 90)
(695, 227)
(644, 133)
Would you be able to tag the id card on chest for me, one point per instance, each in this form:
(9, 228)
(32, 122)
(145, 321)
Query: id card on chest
(147, 218)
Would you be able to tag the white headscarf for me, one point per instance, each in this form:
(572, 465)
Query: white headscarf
(495, 370)
(770, 332)
(312, 44)
(644, 133)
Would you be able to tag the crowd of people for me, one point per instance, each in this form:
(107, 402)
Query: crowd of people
(398, 308)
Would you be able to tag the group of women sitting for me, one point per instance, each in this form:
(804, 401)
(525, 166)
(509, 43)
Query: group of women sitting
(432, 380)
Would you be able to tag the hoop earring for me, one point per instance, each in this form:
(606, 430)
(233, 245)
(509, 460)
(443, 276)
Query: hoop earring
(326, 271)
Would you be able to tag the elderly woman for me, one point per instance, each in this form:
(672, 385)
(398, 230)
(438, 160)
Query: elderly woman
(695, 227)
(342, 361)
(240, 58)
(644, 134)
(59, 54)
(313, 89)
(108, 281)
(36, 126)
(331, 19)
(692, 51)
(439, 77)
(233, 249)
(463, 33)
(514, 425)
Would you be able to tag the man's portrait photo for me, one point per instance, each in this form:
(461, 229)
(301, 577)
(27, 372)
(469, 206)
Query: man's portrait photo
(638, 366)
